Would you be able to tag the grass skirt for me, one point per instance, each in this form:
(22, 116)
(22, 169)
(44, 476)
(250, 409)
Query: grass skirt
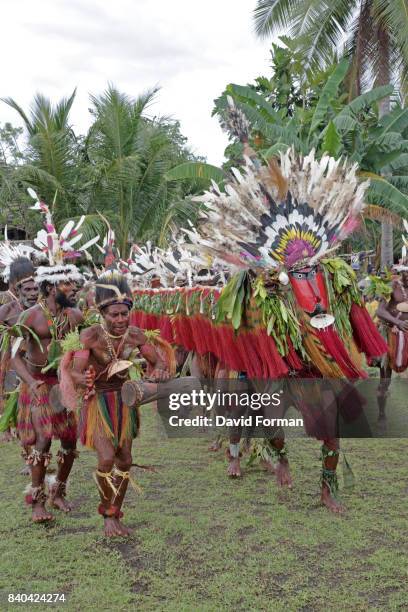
(398, 349)
(106, 416)
(61, 425)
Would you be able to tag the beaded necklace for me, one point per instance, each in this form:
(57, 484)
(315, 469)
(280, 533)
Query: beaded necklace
(117, 365)
(56, 322)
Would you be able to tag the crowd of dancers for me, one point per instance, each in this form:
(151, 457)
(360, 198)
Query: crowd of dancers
(255, 291)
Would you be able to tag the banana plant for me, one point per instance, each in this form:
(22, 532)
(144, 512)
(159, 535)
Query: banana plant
(354, 129)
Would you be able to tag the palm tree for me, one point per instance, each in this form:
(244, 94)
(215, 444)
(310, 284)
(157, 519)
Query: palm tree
(51, 161)
(53, 164)
(375, 35)
(374, 32)
(117, 169)
(129, 154)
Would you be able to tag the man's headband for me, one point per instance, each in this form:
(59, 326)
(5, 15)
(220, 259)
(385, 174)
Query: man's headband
(24, 280)
(120, 298)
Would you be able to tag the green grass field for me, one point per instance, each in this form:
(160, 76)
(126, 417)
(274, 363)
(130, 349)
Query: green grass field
(203, 542)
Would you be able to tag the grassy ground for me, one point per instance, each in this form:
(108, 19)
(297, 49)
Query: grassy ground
(203, 542)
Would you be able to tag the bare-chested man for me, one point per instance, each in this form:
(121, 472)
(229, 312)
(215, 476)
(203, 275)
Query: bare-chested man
(37, 424)
(106, 424)
(394, 315)
(24, 290)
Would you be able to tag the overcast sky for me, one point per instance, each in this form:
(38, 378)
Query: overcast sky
(191, 49)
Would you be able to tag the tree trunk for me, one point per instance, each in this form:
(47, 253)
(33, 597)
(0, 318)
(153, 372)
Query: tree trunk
(384, 78)
(387, 245)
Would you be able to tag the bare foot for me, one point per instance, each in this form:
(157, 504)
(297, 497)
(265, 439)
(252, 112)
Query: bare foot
(215, 446)
(330, 502)
(125, 531)
(111, 528)
(25, 471)
(40, 514)
(267, 466)
(60, 503)
(283, 477)
(234, 468)
(382, 424)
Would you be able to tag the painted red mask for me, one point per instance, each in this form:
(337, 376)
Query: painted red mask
(310, 290)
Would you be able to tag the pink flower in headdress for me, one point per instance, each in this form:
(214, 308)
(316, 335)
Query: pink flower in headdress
(351, 224)
(297, 250)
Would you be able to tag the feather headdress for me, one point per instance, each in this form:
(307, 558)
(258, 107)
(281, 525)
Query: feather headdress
(10, 252)
(144, 262)
(108, 248)
(59, 247)
(404, 262)
(285, 215)
(234, 122)
(180, 264)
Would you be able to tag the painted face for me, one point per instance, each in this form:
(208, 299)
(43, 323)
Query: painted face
(310, 290)
(66, 294)
(155, 282)
(116, 318)
(28, 293)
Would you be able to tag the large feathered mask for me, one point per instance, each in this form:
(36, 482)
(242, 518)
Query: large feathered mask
(285, 215)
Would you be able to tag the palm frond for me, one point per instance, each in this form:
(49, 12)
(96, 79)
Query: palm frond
(329, 92)
(383, 192)
(195, 170)
(273, 15)
(381, 214)
(13, 104)
(393, 15)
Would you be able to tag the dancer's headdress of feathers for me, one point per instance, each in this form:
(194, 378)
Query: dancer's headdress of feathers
(144, 263)
(403, 266)
(112, 288)
(58, 247)
(234, 122)
(179, 265)
(283, 215)
(9, 253)
(108, 249)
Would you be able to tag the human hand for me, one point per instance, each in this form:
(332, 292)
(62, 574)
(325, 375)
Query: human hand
(89, 379)
(159, 375)
(35, 389)
(402, 325)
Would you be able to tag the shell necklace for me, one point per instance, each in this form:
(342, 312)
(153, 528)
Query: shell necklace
(117, 366)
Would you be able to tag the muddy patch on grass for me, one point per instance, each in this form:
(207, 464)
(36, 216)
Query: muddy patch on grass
(75, 530)
(175, 539)
(243, 532)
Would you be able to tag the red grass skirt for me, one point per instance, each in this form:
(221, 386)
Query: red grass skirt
(106, 416)
(50, 424)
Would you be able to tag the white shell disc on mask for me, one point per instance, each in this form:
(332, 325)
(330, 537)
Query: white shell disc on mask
(283, 278)
(321, 321)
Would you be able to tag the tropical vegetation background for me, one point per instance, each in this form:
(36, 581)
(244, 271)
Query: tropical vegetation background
(338, 83)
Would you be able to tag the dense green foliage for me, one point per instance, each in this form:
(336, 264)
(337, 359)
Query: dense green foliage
(372, 33)
(308, 109)
(117, 168)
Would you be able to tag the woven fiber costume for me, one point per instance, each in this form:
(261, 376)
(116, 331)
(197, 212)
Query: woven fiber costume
(293, 308)
(392, 313)
(47, 325)
(111, 354)
(19, 272)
